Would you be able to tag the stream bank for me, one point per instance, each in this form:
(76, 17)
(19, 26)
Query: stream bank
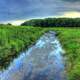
(43, 61)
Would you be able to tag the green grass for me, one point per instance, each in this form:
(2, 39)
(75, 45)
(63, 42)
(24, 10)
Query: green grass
(70, 39)
(14, 39)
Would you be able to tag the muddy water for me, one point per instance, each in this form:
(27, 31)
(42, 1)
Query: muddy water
(43, 61)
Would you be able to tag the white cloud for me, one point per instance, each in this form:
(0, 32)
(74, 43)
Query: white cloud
(17, 22)
(70, 14)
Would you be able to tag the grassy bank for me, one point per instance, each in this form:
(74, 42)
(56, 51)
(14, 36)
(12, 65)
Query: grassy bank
(70, 39)
(14, 39)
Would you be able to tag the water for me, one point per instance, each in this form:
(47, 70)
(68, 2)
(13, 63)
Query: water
(43, 61)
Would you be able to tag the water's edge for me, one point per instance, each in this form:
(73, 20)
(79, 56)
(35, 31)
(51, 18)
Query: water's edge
(43, 61)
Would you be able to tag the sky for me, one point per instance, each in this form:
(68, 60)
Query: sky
(21, 10)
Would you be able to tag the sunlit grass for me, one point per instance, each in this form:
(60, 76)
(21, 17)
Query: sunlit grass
(14, 39)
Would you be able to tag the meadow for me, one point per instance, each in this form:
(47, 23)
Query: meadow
(15, 39)
(70, 40)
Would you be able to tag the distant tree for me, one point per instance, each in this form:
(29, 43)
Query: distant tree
(53, 22)
(9, 24)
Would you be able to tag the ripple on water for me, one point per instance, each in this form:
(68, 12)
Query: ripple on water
(43, 61)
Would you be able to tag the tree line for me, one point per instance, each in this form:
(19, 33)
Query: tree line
(53, 22)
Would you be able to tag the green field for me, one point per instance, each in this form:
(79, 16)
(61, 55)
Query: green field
(70, 39)
(14, 39)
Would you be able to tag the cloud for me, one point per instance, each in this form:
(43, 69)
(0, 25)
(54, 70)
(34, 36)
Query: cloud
(17, 22)
(14, 22)
(25, 9)
(70, 14)
(72, 0)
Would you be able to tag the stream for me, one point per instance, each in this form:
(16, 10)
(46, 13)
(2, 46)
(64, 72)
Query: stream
(43, 61)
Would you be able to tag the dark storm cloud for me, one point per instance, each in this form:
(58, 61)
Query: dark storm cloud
(23, 9)
(71, 0)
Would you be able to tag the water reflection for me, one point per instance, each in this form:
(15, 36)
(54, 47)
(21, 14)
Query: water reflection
(43, 61)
